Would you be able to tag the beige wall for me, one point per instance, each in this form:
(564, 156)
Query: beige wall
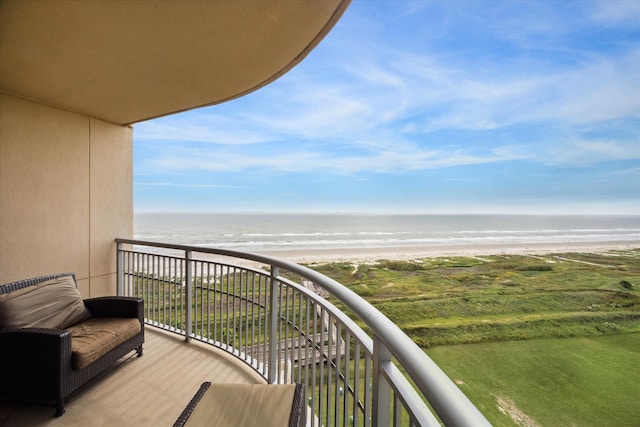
(65, 194)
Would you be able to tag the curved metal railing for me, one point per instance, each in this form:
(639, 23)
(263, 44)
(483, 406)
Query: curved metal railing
(267, 312)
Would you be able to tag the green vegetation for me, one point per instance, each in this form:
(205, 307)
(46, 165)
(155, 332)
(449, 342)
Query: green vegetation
(445, 301)
(586, 381)
(548, 340)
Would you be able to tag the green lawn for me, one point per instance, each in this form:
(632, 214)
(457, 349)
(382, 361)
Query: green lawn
(587, 381)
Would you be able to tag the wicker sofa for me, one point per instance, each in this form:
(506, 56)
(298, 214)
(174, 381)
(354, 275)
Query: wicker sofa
(53, 342)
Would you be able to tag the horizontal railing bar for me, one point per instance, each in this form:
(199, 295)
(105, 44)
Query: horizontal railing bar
(451, 405)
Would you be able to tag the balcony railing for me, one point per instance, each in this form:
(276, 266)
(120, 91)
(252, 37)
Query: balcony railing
(268, 313)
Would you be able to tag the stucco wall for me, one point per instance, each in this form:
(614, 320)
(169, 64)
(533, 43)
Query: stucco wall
(65, 194)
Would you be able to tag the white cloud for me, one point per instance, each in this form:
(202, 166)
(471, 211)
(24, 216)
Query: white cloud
(603, 89)
(633, 173)
(202, 126)
(384, 106)
(323, 112)
(619, 11)
(586, 152)
(390, 161)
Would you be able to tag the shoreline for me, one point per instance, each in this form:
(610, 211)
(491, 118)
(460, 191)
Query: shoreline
(407, 253)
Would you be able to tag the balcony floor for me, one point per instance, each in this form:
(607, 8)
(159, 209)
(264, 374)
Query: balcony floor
(151, 390)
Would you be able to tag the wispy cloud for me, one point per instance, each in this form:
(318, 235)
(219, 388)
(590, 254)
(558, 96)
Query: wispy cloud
(616, 12)
(200, 127)
(432, 95)
(583, 152)
(389, 161)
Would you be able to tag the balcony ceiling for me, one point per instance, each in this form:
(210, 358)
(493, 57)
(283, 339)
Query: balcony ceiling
(129, 61)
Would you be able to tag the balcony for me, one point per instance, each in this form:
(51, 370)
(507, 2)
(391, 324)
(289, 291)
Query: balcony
(232, 317)
(268, 313)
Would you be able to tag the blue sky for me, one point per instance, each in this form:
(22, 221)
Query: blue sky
(422, 107)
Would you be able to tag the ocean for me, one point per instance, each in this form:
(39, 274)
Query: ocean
(255, 232)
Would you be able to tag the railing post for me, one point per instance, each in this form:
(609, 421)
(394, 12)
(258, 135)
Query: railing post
(274, 296)
(381, 388)
(119, 270)
(188, 295)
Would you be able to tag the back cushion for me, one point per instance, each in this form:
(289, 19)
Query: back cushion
(56, 303)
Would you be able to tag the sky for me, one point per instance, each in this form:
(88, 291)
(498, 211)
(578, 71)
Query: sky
(526, 107)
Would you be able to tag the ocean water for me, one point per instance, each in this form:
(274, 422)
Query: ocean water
(254, 232)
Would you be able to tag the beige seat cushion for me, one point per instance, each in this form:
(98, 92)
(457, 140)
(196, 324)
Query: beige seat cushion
(240, 405)
(93, 338)
(55, 303)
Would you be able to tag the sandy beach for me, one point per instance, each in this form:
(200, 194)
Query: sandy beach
(370, 255)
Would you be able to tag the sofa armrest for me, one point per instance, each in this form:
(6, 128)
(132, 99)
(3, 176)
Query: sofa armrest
(35, 340)
(38, 356)
(116, 307)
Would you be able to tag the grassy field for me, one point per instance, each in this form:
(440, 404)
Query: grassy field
(586, 381)
(549, 340)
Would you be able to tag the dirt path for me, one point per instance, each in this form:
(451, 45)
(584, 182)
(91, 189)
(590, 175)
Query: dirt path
(508, 407)
(584, 262)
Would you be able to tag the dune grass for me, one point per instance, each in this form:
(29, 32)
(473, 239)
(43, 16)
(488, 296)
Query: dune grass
(443, 301)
